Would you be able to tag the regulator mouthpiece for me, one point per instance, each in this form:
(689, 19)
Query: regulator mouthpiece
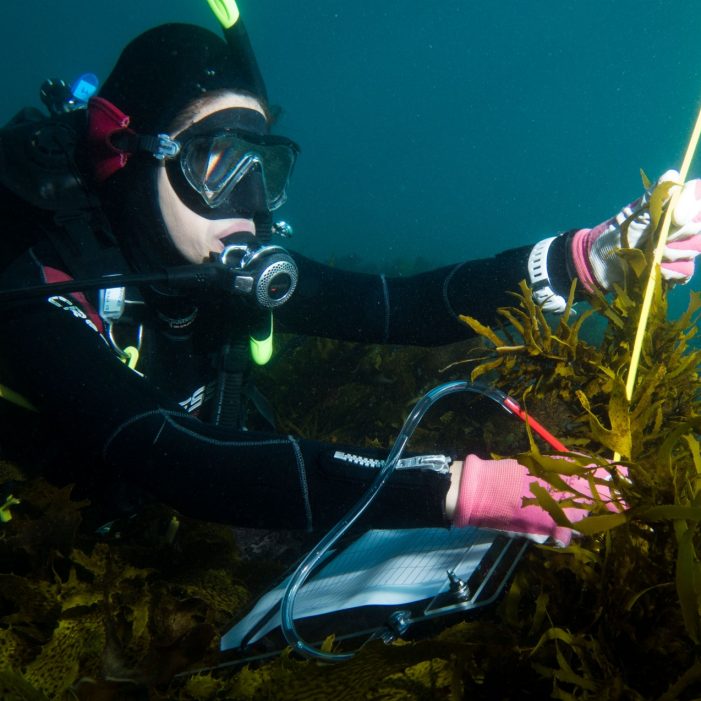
(267, 275)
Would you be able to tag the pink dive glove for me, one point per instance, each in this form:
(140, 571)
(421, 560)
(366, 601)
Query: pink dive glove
(491, 494)
(594, 250)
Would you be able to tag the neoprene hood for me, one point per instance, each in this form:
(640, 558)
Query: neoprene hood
(157, 75)
(167, 67)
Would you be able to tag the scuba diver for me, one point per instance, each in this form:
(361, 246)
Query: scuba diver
(171, 169)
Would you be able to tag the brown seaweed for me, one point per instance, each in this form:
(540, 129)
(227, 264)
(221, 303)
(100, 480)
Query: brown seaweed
(613, 616)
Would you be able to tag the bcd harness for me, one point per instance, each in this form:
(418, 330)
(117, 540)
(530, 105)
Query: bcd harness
(38, 166)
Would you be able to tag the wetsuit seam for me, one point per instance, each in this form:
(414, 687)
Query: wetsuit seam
(160, 430)
(39, 265)
(446, 284)
(299, 457)
(216, 441)
(112, 437)
(385, 297)
(166, 415)
(303, 482)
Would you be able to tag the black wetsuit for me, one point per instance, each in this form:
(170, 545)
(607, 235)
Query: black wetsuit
(119, 426)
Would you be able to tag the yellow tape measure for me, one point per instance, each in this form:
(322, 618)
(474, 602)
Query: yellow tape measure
(656, 262)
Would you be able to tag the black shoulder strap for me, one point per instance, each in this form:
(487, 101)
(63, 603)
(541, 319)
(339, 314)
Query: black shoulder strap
(85, 247)
(38, 165)
(37, 159)
(232, 364)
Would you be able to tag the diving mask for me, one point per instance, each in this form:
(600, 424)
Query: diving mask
(214, 165)
(221, 166)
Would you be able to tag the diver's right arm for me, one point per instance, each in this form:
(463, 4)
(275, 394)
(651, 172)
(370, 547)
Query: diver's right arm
(491, 494)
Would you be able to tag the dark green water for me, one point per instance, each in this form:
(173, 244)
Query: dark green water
(442, 130)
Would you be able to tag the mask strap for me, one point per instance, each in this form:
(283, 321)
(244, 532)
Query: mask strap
(104, 121)
(111, 142)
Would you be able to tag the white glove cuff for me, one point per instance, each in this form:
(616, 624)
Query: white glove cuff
(539, 281)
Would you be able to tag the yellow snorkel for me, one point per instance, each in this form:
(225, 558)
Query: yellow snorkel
(260, 341)
(16, 398)
(226, 11)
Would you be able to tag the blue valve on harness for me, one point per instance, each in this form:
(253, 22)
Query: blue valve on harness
(59, 97)
(83, 88)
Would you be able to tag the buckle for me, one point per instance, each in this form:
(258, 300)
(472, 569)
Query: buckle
(165, 147)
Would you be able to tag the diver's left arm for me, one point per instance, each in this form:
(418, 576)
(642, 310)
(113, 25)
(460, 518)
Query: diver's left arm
(419, 310)
(424, 309)
(593, 257)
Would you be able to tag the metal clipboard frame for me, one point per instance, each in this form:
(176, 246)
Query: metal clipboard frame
(464, 590)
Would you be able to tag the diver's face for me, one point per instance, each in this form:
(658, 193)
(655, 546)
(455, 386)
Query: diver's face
(194, 236)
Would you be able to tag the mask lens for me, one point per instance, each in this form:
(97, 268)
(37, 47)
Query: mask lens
(276, 174)
(215, 165)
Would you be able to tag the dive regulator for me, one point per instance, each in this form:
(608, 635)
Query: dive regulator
(267, 275)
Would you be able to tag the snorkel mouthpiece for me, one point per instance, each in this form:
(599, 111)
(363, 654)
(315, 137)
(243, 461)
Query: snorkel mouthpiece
(266, 275)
